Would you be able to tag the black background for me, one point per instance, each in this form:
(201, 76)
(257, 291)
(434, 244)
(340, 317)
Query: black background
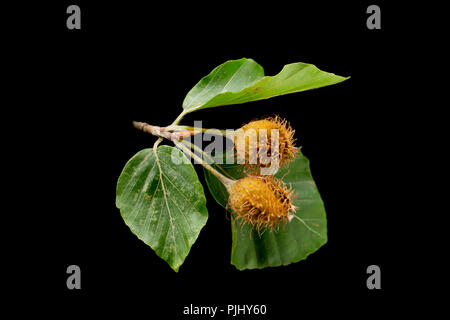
(135, 61)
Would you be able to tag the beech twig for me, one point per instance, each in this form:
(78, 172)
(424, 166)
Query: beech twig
(162, 132)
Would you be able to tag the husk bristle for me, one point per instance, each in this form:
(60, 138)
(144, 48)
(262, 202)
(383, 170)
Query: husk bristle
(251, 151)
(262, 201)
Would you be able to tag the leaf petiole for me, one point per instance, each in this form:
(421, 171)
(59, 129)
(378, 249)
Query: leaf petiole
(174, 123)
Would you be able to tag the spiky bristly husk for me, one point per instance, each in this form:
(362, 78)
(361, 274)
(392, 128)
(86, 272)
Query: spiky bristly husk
(262, 201)
(255, 141)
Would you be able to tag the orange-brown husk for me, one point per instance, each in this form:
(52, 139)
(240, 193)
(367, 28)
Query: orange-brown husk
(254, 147)
(261, 201)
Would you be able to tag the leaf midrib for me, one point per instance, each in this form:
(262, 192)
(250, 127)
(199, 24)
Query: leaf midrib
(163, 188)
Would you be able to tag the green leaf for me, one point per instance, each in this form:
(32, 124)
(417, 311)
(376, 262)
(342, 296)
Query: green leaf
(295, 240)
(162, 202)
(243, 80)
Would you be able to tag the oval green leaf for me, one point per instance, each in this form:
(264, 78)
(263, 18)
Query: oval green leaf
(162, 201)
(243, 80)
(295, 240)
